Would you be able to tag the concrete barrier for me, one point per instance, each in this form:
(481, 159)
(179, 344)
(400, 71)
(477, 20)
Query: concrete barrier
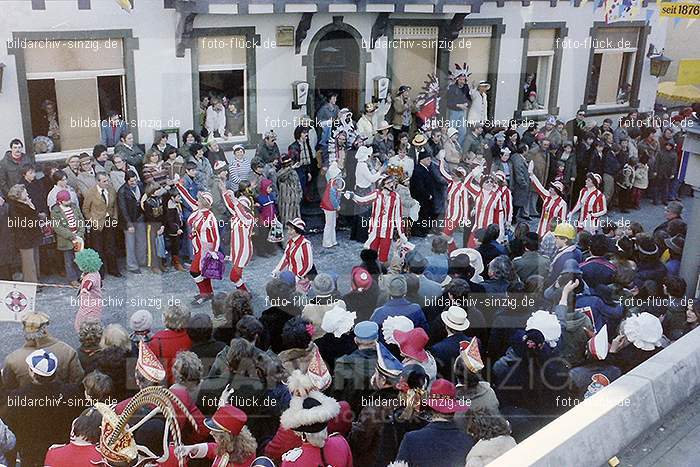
(601, 426)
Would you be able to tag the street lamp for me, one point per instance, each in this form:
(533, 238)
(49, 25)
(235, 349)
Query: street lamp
(658, 63)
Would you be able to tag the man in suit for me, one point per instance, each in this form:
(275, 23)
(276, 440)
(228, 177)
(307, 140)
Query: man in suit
(100, 212)
(423, 190)
(112, 129)
(132, 220)
(531, 262)
(447, 350)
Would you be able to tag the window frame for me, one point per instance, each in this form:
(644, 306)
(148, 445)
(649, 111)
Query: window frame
(129, 44)
(552, 98)
(637, 65)
(252, 138)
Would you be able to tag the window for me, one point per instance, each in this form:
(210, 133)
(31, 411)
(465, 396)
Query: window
(223, 75)
(473, 47)
(538, 73)
(612, 70)
(414, 51)
(72, 84)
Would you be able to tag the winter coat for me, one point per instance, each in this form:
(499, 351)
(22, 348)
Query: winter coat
(486, 451)
(266, 153)
(204, 170)
(478, 110)
(7, 442)
(423, 188)
(601, 313)
(598, 270)
(10, 171)
(130, 210)
(667, 164)
(37, 427)
(332, 348)
(37, 193)
(16, 372)
(64, 234)
(166, 344)
(446, 352)
(289, 194)
(519, 180)
(531, 263)
(457, 95)
(25, 227)
(481, 396)
(650, 270)
(7, 248)
(298, 359)
(376, 434)
(541, 161)
(132, 155)
(574, 338)
(437, 440)
(362, 302)
(352, 376)
(273, 320)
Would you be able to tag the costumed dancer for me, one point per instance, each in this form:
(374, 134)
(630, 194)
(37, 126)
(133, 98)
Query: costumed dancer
(385, 218)
(456, 212)
(330, 203)
(117, 444)
(242, 223)
(591, 204)
(506, 196)
(205, 238)
(90, 293)
(234, 445)
(488, 207)
(308, 415)
(298, 256)
(553, 203)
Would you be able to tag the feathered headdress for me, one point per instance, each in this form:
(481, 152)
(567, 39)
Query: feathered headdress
(428, 101)
(117, 444)
(460, 71)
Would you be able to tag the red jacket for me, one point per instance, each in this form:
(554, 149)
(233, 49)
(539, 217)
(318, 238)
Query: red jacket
(70, 455)
(166, 344)
(336, 452)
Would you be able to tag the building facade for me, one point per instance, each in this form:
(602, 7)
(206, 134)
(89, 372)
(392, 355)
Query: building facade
(153, 63)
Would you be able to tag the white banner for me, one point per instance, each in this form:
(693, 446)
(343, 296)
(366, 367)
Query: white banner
(17, 298)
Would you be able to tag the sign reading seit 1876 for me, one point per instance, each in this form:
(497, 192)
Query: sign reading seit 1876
(680, 10)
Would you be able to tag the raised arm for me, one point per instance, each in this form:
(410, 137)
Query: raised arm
(191, 202)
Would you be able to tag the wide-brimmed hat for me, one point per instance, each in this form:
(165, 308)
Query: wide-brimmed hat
(383, 125)
(675, 244)
(455, 318)
(485, 83)
(598, 345)
(207, 196)
(298, 224)
(442, 398)
(647, 246)
(558, 187)
(475, 261)
(403, 88)
(412, 343)
(42, 362)
(227, 419)
(643, 330)
(547, 323)
(419, 140)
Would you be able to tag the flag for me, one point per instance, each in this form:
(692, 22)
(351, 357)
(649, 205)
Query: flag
(18, 298)
(621, 10)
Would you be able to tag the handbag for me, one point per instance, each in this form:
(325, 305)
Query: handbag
(276, 234)
(213, 267)
(160, 247)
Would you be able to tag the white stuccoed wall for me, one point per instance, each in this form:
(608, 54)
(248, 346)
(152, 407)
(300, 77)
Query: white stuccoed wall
(163, 86)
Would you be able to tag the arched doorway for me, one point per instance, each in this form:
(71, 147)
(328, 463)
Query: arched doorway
(336, 67)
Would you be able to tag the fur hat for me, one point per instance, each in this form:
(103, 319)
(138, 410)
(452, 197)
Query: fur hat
(324, 284)
(309, 410)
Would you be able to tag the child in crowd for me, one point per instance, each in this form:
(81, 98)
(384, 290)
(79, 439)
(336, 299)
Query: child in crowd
(266, 203)
(641, 179)
(174, 227)
(90, 294)
(625, 183)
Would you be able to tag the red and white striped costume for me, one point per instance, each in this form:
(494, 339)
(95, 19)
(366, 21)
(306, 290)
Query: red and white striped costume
(507, 203)
(242, 222)
(298, 257)
(591, 205)
(457, 209)
(488, 208)
(205, 238)
(386, 216)
(552, 207)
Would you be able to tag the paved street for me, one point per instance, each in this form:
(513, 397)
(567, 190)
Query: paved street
(674, 442)
(153, 292)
